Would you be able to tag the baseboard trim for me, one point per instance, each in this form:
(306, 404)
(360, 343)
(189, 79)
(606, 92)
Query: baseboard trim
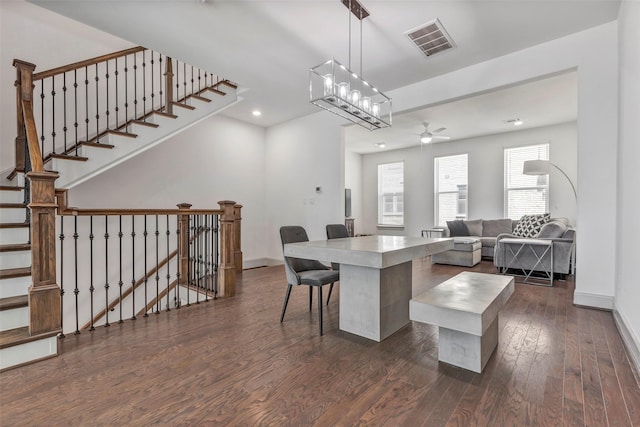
(593, 300)
(261, 262)
(628, 337)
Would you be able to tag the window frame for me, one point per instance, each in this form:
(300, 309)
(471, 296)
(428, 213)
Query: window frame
(507, 189)
(381, 213)
(437, 192)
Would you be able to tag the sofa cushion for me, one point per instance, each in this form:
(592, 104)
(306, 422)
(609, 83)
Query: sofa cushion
(494, 227)
(488, 242)
(457, 228)
(530, 225)
(474, 226)
(552, 229)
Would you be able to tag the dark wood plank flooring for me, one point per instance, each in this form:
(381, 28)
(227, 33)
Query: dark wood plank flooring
(230, 362)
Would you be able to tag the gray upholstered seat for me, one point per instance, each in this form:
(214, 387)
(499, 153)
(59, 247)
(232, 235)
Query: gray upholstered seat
(304, 271)
(336, 231)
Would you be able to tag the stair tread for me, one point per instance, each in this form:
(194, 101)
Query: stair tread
(162, 113)
(125, 134)
(141, 123)
(19, 336)
(10, 273)
(214, 90)
(12, 205)
(15, 247)
(181, 105)
(200, 98)
(14, 302)
(14, 225)
(68, 157)
(96, 144)
(10, 188)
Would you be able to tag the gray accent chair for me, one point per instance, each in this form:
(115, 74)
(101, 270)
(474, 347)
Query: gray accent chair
(304, 271)
(336, 231)
(557, 230)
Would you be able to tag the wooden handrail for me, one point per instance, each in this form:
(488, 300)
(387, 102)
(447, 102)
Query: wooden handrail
(35, 156)
(80, 64)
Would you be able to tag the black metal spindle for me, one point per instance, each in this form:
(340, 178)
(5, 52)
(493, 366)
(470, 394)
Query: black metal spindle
(133, 267)
(176, 289)
(157, 234)
(126, 93)
(62, 274)
(76, 291)
(144, 83)
(107, 113)
(207, 277)
(64, 111)
(42, 116)
(117, 107)
(184, 81)
(200, 80)
(97, 79)
(160, 83)
(106, 270)
(120, 282)
(86, 102)
(189, 252)
(168, 233)
(91, 288)
(216, 255)
(153, 95)
(75, 108)
(135, 86)
(197, 258)
(177, 96)
(146, 276)
(192, 90)
(53, 114)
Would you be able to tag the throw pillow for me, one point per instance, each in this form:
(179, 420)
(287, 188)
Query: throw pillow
(474, 227)
(552, 229)
(530, 225)
(457, 228)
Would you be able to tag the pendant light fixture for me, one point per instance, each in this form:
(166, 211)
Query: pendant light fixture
(338, 89)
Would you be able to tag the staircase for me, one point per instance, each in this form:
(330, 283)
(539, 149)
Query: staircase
(17, 346)
(60, 131)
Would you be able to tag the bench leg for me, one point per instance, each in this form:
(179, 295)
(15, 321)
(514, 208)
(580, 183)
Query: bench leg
(465, 350)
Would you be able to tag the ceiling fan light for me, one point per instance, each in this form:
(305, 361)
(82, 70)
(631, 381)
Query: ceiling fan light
(425, 139)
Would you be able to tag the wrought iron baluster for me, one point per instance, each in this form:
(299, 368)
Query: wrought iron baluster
(76, 291)
(62, 273)
(153, 95)
(53, 114)
(177, 98)
(135, 86)
(176, 293)
(106, 270)
(197, 257)
(146, 269)
(86, 102)
(216, 240)
(91, 288)
(184, 81)
(133, 267)
(160, 82)
(120, 282)
(168, 233)
(157, 233)
(64, 110)
(42, 116)
(189, 257)
(126, 91)
(207, 277)
(199, 80)
(117, 107)
(192, 91)
(107, 113)
(97, 107)
(75, 108)
(144, 83)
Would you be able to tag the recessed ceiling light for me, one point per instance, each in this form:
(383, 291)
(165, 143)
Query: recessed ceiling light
(381, 145)
(256, 113)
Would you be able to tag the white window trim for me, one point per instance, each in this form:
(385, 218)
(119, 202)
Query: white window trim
(506, 180)
(379, 201)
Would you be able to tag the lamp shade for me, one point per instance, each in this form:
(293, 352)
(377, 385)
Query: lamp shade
(536, 167)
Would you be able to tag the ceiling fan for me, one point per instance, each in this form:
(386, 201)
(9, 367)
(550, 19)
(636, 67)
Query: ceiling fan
(428, 136)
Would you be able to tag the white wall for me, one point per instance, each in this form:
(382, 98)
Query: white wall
(486, 176)
(302, 154)
(628, 230)
(218, 159)
(353, 180)
(597, 134)
(36, 35)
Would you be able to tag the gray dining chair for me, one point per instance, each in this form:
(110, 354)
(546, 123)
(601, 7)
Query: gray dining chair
(304, 271)
(335, 231)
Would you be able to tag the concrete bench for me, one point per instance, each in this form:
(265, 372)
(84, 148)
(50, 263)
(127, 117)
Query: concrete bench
(465, 308)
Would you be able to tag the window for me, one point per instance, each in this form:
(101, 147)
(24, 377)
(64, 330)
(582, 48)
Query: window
(525, 194)
(391, 194)
(450, 188)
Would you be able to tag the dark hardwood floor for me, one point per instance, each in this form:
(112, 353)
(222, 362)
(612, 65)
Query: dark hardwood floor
(230, 362)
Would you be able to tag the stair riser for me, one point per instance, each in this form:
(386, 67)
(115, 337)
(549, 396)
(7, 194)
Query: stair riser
(16, 259)
(13, 214)
(14, 318)
(11, 196)
(28, 352)
(14, 287)
(10, 236)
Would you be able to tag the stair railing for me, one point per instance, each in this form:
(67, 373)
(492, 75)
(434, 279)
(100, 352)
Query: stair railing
(118, 264)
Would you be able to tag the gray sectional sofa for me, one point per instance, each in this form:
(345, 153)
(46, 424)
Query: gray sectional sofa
(487, 231)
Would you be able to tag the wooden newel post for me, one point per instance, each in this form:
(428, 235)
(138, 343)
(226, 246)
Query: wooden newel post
(27, 69)
(237, 239)
(183, 244)
(168, 86)
(44, 293)
(227, 269)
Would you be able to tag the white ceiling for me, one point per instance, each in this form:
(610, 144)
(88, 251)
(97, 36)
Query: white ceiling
(268, 46)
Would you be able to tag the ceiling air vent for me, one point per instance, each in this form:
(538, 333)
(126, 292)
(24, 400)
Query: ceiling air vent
(430, 38)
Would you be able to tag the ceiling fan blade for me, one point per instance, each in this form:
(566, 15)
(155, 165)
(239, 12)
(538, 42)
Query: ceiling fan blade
(441, 137)
(438, 130)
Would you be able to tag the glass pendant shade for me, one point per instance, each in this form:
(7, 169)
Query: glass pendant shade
(335, 88)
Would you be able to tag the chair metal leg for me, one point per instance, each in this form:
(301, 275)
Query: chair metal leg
(310, 297)
(320, 307)
(286, 301)
(329, 296)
